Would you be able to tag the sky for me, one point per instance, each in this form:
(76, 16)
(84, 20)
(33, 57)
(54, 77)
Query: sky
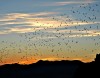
(33, 30)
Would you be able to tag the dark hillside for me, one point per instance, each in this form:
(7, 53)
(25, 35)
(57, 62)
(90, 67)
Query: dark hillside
(52, 69)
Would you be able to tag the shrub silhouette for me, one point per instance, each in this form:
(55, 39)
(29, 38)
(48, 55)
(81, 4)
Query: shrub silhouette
(97, 59)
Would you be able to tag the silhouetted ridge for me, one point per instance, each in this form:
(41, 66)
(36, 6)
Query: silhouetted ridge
(46, 62)
(52, 69)
(41, 69)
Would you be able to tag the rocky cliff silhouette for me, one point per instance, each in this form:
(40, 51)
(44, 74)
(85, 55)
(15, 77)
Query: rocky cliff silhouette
(52, 69)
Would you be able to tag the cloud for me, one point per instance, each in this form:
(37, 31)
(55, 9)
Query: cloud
(31, 22)
(15, 21)
(62, 3)
(74, 2)
(15, 16)
(24, 30)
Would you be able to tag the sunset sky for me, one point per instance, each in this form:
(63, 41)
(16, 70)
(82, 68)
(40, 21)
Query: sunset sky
(32, 30)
